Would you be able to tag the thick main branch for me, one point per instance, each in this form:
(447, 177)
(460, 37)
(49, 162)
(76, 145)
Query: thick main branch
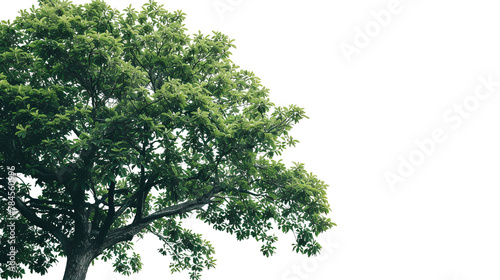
(126, 233)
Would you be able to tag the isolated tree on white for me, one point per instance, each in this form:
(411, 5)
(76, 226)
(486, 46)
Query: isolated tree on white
(127, 124)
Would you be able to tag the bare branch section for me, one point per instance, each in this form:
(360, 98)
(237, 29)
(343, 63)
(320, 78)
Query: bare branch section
(126, 233)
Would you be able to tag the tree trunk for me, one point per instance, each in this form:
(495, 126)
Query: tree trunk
(77, 265)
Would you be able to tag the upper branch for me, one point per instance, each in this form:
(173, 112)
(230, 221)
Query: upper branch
(111, 213)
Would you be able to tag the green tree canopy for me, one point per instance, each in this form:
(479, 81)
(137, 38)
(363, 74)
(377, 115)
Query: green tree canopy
(120, 124)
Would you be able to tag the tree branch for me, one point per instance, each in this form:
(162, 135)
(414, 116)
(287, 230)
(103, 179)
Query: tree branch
(177, 209)
(42, 205)
(127, 232)
(110, 216)
(37, 221)
(44, 201)
(142, 189)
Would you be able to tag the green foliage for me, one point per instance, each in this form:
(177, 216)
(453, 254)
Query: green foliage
(188, 250)
(127, 123)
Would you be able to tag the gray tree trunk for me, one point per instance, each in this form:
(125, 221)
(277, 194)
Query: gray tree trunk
(77, 265)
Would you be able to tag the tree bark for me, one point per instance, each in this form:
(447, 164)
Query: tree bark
(77, 265)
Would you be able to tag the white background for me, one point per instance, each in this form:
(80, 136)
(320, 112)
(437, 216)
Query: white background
(443, 221)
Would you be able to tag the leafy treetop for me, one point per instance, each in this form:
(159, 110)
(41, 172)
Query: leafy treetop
(127, 124)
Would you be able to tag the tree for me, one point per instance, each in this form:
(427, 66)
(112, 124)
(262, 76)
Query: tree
(119, 124)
